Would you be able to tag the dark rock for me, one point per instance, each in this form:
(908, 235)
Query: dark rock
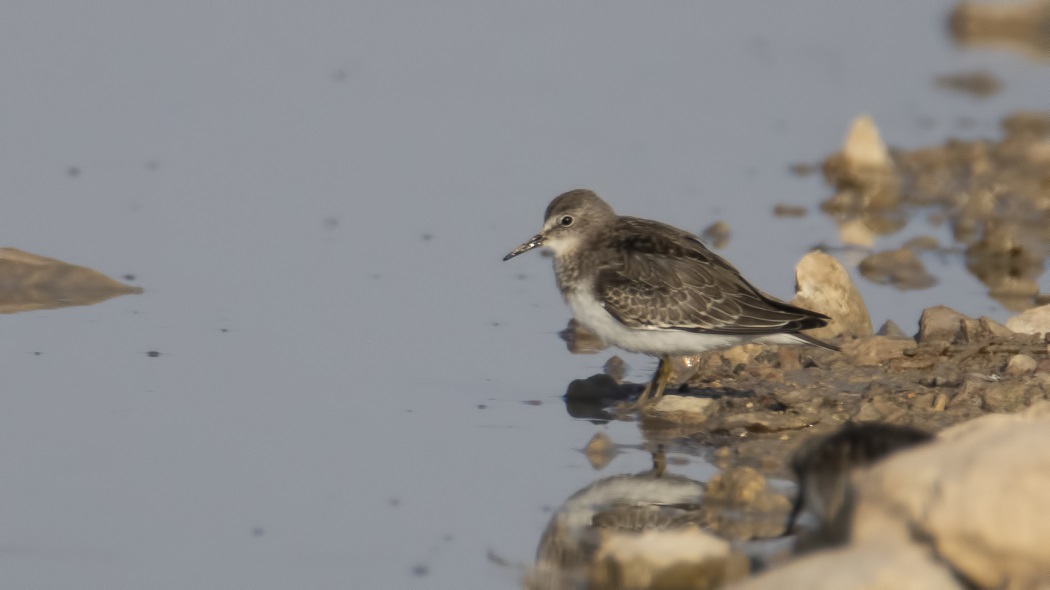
(597, 388)
(615, 368)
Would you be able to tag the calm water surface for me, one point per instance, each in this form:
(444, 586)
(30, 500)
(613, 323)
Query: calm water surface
(316, 200)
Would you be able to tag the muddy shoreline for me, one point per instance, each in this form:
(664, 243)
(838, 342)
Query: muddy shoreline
(747, 410)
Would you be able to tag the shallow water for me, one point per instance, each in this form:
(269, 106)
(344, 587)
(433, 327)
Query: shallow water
(316, 203)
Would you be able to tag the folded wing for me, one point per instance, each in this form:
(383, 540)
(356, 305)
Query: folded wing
(675, 282)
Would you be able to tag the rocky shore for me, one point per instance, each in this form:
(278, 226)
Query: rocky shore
(964, 509)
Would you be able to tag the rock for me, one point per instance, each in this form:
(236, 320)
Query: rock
(1021, 26)
(686, 559)
(680, 409)
(856, 232)
(615, 368)
(717, 234)
(739, 505)
(891, 330)
(983, 330)
(1007, 397)
(1020, 364)
(683, 368)
(940, 324)
(739, 486)
(875, 350)
(743, 354)
(600, 450)
(789, 211)
(863, 146)
(862, 567)
(580, 340)
(862, 172)
(766, 421)
(1032, 321)
(922, 243)
(1008, 258)
(597, 388)
(787, 356)
(900, 268)
(823, 285)
(980, 83)
(978, 495)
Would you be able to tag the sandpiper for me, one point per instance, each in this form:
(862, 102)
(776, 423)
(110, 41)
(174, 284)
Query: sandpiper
(648, 287)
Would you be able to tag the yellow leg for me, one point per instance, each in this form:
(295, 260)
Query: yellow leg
(656, 387)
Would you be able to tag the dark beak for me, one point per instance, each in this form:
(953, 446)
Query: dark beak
(534, 242)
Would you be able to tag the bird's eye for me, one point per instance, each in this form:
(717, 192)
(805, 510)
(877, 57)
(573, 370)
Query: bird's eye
(566, 221)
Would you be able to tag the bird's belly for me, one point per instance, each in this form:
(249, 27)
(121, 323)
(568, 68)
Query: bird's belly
(592, 315)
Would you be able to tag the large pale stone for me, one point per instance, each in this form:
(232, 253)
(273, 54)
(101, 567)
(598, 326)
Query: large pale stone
(1031, 321)
(864, 567)
(823, 285)
(979, 496)
(30, 282)
(689, 557)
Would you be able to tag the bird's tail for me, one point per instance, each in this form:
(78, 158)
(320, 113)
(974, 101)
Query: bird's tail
(811, 340)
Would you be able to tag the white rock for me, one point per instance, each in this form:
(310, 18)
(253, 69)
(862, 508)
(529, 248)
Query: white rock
(1031, 321)
(682, 409)
(634, 560)
(1021, 364)
(979, 494)
(824, 286)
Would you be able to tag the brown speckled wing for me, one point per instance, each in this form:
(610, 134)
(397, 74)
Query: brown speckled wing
(661, 277)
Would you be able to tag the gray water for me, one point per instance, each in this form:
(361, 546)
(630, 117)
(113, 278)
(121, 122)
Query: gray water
(316, 197)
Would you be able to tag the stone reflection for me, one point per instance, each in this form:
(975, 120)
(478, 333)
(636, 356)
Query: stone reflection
(30, 282)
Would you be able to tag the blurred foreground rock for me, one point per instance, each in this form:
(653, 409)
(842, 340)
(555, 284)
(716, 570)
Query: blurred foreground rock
(30, 282)
(967, 510)
(861, 567)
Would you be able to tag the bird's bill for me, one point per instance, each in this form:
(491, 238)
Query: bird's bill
(534, 242)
